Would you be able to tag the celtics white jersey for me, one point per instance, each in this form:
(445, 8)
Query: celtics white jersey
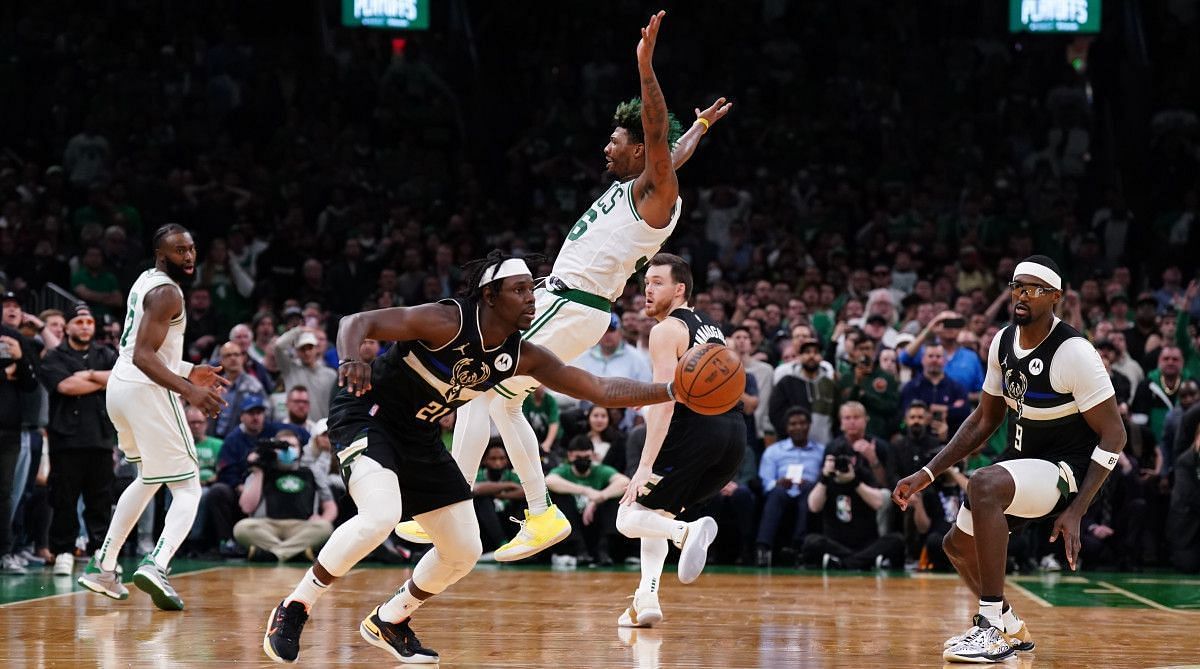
(609, 243)
(171, 351)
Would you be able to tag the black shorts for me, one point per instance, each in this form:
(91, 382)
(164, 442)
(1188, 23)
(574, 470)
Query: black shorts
(429, 477)
(699, 456)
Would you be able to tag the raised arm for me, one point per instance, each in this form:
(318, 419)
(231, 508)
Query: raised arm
(687, 143)
(656, 188)
(604, 391)
(435, 324)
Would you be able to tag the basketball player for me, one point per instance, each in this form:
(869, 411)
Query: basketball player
(1065, 422)
(385, 419)
(622, 229)
(143, 402)
(687, 457)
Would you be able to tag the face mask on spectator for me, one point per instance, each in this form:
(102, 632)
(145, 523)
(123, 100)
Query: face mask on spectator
(494, 474)
(582, 464)
(287, 457)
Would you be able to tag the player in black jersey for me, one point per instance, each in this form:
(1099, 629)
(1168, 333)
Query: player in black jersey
(384, 420)
(1050, 383)
(687, 457)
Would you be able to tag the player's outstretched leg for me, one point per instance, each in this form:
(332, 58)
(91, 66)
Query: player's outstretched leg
(151, 574)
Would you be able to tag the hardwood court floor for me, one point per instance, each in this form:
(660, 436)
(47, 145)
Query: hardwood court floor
(514, 617)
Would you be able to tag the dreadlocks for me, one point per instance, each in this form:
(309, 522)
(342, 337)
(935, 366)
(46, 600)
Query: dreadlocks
(476, 270)
(629, 117)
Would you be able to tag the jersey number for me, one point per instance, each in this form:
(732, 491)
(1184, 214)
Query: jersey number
(591, 215)
(432, 411)
(128, 319)
(1017, 437)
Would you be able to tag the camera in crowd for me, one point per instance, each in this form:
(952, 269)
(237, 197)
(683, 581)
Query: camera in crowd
(6, 356)
(843, 462)
(273, 453)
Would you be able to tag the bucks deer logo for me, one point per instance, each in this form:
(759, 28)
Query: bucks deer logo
(467, 373)
(1015, 385)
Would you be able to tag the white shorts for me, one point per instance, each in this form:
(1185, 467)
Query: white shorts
(152, 431)
(1036, 490)
(565, 327)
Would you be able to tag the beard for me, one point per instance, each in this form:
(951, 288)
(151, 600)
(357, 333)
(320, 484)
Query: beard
(811, 366)
(1023, 318)
(178, 274)
(79, 341)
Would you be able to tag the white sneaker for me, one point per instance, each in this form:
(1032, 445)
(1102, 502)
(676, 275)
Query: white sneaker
(1050, 563)
(981, 644)
(643, 612)
(64, 564)
(693, 550)
(9, 564)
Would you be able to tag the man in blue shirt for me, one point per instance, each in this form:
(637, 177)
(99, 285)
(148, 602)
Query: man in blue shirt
(962, 364)
(789, 469)
(943, 394)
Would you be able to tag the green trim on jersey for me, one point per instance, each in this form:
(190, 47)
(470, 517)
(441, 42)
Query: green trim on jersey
(180, 423)
(169, 479)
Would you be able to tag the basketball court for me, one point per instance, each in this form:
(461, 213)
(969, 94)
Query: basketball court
(535, 617)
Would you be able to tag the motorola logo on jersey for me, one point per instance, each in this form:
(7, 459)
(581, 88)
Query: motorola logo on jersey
(1035, 366)
(467, 373)
(1015, 385)
(503, 362)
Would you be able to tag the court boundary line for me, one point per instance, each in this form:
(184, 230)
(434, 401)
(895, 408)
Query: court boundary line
(1025, 591)
(1139, 598)
(82, 590)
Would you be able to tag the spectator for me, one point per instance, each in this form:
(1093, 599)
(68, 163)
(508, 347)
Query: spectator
(874, 388)
(587, 494)
(288, 503)
(1158, 393)
(498, 496)
(788, 471)
(846, 499)
(541, 410)
(264, 335)
(962, 365)
(306, 369)
(1121, 386)
(933, 517)
(873, 453)
(605, 441)
(1123, 364)
(1183, 521)
(297, 406)
(17, 376)
(81, 438)
(809, 385)
(207, 450)
(945, 398)
(921, 439)
(200, 338)
(1189, 394)
(242, 385)
(96, 284)
(243, 337)
(764, 378)
(613, 357)
(1113, 529)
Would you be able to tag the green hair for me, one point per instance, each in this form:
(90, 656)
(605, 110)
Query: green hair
(629, 117)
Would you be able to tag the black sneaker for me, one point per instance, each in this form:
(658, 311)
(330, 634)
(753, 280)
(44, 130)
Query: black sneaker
(282, 640)
(397, 639)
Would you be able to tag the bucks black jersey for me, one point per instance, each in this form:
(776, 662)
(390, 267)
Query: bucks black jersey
(701, 330)
(1044, 423)
(413, 385)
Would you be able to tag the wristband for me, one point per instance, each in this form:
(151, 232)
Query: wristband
(827, 479)
(704, 122)
(347, 361)
(671, 390)
(1106, 459)
(932, 478)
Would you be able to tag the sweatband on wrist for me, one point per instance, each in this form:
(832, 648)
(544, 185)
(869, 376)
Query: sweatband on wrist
(932, 478)
(671, 390)
(1106, 459)
(704, 122)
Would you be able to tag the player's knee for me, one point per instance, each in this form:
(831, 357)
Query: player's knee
(987, 484)
(950, 546)
(380, 519)
(463, 552)
(625, 524)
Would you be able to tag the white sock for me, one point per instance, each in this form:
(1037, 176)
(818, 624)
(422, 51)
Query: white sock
(401, 605)
(523, 451)
(638, 522)
(185, 500)
(654, 554)
(129, 508)
(308, 590)
(1011, 622)
(992, 611)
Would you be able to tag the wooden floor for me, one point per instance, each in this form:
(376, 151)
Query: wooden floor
(526, 618)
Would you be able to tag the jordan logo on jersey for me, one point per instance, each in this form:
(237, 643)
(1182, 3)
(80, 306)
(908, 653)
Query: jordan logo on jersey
(1015, 385)
(467, 373)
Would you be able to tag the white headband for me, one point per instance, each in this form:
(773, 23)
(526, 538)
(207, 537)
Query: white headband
(510, 267)
(1040, 271)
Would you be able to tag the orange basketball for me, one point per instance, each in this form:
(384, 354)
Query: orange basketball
(710, 379)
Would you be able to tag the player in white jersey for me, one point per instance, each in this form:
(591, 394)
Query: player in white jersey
(614, 238)
(143, 402)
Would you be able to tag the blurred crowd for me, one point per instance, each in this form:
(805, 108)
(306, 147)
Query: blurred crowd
(852, 225)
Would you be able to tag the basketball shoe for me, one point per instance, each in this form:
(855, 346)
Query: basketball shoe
(537, 534)
(693, 549)
(282, 640)
(152, 580)
(397, 639)
(106, 583)
(644, 611)
(981, 644)
(1021, 640)
(411, 530)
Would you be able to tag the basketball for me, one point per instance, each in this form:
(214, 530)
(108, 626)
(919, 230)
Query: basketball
(710, 379)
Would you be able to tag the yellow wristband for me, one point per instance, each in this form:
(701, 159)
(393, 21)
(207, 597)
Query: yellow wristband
(704, 122)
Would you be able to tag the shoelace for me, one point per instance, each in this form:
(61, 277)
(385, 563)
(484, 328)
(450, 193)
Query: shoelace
(518, 522)
(970, 635)
(409, 637)
(291, 623)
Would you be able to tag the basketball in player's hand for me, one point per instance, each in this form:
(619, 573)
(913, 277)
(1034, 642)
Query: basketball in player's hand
(710, 379)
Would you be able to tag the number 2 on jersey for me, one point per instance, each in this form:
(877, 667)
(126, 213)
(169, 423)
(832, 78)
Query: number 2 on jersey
(1017, 437)
(432, 411)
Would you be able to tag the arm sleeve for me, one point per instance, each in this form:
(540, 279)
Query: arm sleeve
(1077, 369)
(993, 380)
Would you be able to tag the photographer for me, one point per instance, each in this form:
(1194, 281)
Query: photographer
(17, 360)
(933, 517)
(290, 508)
(847, 500)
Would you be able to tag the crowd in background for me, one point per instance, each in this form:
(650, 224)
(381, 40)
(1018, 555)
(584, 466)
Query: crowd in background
(852, 225)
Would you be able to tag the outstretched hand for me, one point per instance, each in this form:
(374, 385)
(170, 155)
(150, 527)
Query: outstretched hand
(715, 112)
(645, 48)
(1067, 526)
(909, 487)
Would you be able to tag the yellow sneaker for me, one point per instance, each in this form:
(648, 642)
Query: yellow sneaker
(411, 530)
(537, 534)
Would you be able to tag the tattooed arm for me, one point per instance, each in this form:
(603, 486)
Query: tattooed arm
(656, 189)
(604, 391)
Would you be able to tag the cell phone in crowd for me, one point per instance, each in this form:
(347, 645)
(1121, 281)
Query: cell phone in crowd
(954, 323)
